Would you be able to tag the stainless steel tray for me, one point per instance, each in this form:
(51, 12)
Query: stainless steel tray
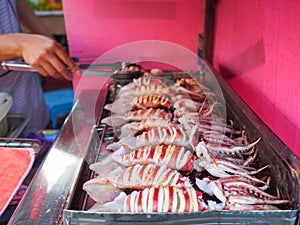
(282, 172)
(35, 144)
(16, 125)
(287, 217)
(56, 196)
(19, 143)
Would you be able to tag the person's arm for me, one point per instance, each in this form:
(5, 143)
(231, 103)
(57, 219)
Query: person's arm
(38, 49)
(29, 20)
(10, 46)
(42, 53)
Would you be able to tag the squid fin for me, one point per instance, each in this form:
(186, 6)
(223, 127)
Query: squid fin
(101, 190)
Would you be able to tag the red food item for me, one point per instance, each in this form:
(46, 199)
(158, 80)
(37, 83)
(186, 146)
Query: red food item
(165, 199)
(15, 165)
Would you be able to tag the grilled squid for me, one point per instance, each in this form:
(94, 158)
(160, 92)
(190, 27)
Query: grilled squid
(160, 135)
(142, 176)
(155, 199)
(239, 190)
(174, 145)
(109, 183)
(145, 85)
(171, 156)
(123, 105)
(137, 115)
(137, 127)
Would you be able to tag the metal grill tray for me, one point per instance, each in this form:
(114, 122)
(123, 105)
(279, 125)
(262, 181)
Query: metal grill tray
(281, 172)
(57, 187)
(287, 217)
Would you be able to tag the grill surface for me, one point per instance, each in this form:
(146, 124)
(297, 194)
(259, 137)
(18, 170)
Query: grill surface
(58, 189)
(281, 173)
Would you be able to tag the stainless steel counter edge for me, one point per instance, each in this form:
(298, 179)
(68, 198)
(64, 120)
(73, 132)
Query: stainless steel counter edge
(50, 190)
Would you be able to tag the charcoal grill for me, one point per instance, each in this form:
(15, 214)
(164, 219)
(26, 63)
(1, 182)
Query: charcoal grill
(56, 197)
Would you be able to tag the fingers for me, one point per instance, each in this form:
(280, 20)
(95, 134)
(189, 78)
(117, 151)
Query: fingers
(55, 62)
(56, 66)
(64, 57)
(46, 69)
(48, 57)
(40, 70)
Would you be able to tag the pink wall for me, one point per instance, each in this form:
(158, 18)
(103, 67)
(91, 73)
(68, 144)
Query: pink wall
(122, 30)
(257, 50)
(97, 26)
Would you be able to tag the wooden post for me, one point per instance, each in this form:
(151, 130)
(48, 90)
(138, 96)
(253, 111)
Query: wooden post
(209, 29)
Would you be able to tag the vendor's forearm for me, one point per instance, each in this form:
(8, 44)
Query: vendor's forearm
(44, 54)
(10, 46)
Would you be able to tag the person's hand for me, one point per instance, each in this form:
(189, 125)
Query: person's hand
(48, 57)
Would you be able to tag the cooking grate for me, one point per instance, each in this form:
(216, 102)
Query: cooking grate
(285, 177)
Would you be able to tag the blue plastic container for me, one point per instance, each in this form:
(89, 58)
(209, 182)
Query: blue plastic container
(59, 103)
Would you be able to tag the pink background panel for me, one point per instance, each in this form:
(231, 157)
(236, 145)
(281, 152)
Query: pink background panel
(98, 29)
(97, 26)
(257, 50)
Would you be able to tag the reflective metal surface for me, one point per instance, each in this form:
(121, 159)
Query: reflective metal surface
(285, 166)
(96, 69)
(53, 186)
(55, 195)
(208, 218)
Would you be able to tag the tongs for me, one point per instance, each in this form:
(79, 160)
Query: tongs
(95, 69)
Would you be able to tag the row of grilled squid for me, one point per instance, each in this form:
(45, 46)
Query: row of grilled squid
(174, 153)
